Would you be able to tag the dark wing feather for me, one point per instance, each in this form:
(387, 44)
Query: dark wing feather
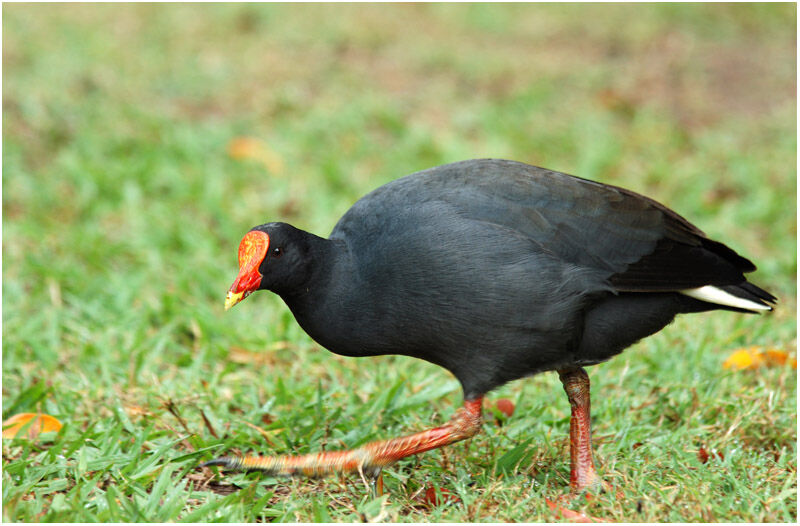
(676, 266)
(640, 244)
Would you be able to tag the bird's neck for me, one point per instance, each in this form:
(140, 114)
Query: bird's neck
(320, 258)
(326, 259)
(321, 304)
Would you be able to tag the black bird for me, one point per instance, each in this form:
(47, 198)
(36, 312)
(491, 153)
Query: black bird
(494, 270)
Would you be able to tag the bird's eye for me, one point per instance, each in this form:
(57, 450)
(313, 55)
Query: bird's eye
(277, 252)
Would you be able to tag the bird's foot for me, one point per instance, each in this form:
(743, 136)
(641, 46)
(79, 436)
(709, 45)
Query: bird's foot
(369, 459)
(587, 482)
(567, 506)
(561, 507)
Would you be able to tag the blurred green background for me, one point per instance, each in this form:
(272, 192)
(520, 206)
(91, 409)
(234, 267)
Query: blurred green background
(140, 142)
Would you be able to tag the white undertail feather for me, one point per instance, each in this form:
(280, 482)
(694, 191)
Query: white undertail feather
(720, 297)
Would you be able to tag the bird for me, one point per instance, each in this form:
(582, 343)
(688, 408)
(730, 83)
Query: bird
(495, 270)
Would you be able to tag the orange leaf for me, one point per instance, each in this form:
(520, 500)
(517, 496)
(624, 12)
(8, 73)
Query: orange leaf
(746, 358)
(505, 406)
(250, 148)
(570, 515)
(778, 357)
(41, 424)
(136, 410)
(244, 148)
(755, 357)
(703, 455)
(431, 497)
(246, 356)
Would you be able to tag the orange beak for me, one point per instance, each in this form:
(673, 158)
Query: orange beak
(252, 251)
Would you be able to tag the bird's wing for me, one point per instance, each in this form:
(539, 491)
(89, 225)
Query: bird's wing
(642, 245)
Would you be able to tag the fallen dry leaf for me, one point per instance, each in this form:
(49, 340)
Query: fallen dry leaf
(755, 357)
(41, 424)
(241, 148)
(434, 500)
(779, 357)
(570, 515)
(208, 425)
(245, 356)
(265, 434)
(743, 359)
(703, 455)
(505, 406)
(265, 357)
(136, 410)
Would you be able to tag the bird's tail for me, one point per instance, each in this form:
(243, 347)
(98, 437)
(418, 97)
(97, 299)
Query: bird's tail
(744, 297)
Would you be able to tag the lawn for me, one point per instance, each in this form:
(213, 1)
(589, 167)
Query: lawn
(140, 142)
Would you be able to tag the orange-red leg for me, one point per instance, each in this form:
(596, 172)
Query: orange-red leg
(369, 458)
(582, 474)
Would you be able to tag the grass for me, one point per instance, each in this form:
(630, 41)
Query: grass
(122, 211)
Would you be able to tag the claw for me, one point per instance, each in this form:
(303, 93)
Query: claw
(270, 465)
(234, 463)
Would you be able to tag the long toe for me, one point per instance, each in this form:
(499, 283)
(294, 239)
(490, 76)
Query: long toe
(594, 486)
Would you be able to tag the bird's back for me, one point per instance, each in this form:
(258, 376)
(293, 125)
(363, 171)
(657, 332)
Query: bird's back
(583, 223)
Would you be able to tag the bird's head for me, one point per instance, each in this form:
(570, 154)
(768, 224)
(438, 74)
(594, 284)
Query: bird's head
(273, 257)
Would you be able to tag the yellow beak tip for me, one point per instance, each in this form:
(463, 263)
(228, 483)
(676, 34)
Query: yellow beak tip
(232, 298)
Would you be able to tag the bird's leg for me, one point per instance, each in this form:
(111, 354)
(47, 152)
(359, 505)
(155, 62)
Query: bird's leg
(582, 474)
(370, 458)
